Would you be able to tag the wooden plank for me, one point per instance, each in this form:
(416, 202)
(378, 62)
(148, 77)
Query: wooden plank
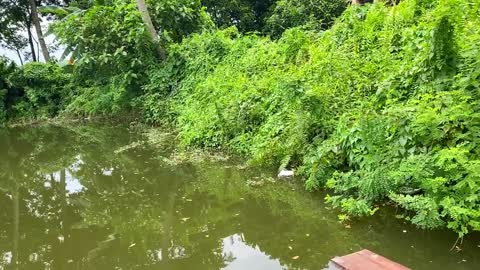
(366, 260)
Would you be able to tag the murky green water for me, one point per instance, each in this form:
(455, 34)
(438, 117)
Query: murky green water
(93, 197)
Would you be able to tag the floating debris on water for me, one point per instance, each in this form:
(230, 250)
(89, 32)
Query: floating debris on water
(286, 174)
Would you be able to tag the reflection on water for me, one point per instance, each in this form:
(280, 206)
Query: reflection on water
(243, 256)
(72, 184)
(93, 197)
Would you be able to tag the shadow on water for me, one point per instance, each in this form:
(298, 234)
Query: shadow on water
(95, 197)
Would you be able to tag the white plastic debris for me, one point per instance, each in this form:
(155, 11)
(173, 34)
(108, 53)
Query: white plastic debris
(285, 173)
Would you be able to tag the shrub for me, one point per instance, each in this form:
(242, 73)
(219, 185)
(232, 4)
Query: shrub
(45, 90)
(424, 149)
(187, 64)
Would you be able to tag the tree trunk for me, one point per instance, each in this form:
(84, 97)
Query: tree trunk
(30, 41)
(19, 56)
(142, 8)
(38, 28)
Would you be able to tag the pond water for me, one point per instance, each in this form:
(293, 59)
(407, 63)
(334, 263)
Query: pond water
(96, 197)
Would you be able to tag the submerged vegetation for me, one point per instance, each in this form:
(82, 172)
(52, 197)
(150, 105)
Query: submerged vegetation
(378, 105)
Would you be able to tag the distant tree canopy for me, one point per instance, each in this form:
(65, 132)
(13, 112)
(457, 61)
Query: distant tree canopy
(246, 15)
(273, 16)
(314, 14)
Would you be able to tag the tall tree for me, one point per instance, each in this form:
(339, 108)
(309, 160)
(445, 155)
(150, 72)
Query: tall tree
(17, 17)
(142, 8)
(14, 20)
(38, 29)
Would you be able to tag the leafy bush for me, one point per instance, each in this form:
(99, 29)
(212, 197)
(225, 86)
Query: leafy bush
(111, 43)
(34, 90)
(45, 90)
(187, 64)
(414, 138)
(5, 70)
(179, 18)
(424, 149)
(210, 94)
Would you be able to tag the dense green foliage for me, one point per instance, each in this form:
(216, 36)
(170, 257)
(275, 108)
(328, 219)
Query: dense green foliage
(118, 51)
(46, 89)
(33, 91)
(316, 15)
(5, 70)
(383, 106)
(274, 17)
(414, 137)
(246, 15)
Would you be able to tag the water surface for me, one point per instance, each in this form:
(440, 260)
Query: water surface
(96, 197)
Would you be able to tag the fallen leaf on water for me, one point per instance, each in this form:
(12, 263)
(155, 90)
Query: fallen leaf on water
(296, 257)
